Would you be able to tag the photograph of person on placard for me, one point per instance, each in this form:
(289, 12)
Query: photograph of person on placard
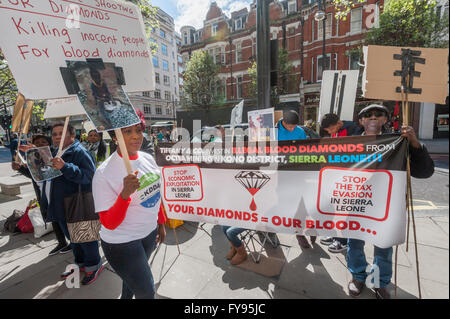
(40, 165)
(105, 102)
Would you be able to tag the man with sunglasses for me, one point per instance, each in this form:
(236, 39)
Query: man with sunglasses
(373, 118)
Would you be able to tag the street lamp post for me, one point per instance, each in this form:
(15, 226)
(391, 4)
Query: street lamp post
(322, 16)
(231, 67)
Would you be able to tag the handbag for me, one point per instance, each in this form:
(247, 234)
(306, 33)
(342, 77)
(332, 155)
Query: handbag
(82, 221)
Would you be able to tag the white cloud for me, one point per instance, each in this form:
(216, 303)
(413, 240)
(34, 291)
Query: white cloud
(193, 12)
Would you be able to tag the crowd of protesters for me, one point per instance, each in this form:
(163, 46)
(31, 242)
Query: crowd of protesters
(129, 205)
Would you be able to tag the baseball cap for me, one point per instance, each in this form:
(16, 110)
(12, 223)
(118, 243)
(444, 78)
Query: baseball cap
(373, 107)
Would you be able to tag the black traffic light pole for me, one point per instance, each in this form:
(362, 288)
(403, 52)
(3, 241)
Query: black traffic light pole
(263, 53)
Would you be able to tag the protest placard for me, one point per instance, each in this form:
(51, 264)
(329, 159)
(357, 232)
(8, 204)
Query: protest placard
(261, 124)
(101, 96)
(340, 187)
(388, 68)
(38, 37)
(40, 165)
(338, 93)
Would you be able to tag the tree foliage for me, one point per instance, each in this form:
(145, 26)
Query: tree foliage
(343, 7)
(8, 88)
(199, 79)
(413, 23)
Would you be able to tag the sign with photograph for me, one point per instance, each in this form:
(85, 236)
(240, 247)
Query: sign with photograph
(103, 99)
(37, 37)
(261, 125)
(40, 165)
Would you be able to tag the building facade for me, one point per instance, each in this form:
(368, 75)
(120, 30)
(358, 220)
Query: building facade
(161, 104)
(232, 43)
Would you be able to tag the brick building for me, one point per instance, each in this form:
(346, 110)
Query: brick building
(232, 43)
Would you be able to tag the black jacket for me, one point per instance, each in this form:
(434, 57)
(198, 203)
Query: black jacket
(422, 166)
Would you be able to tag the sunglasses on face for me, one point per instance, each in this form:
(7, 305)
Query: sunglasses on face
(377, 114)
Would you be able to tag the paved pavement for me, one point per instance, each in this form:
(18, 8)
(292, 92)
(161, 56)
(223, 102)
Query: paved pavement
(198, 269)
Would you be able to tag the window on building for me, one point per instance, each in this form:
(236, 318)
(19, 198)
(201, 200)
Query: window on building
(157, 94)
(147, 109)
(219, 58)
(353, 61)
(180, 69)
(238, 52)
(320, 63)
(180, 81)
(158, 109)
(239, 87)
(328, 27)
(146, 94)
(313, 23)
(175, 90)
(214, 29)
(185, 38)
(155, 61)
(292, 7)
(157, 78)
(162, 34)
(238, 24)
(173, 55)
(167, 95)
(166, 80)
(377, 15)
(356, 20)
(163, 49)
(180, 59)
(168, 110)
(165, 65)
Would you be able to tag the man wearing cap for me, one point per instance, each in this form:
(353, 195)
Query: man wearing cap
(288, 130)
(373, 118)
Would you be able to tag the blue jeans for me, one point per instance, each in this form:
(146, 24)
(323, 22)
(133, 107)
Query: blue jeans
(130, 262)
(232, 234)
(357, 263)
(86, 254)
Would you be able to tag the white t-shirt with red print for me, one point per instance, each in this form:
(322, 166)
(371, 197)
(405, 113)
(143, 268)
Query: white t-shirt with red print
(142, 213)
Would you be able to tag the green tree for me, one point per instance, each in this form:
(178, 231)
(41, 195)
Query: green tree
(149, 16)
(343, 7)
(8, 88)
(199, 80)
(413, 23)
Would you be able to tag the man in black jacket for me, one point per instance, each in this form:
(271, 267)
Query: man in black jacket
(62, 247)
(373, 118)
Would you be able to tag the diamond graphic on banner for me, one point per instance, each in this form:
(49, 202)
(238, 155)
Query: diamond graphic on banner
(253, 182)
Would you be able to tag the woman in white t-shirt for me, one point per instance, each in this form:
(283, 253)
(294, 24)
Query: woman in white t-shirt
(131, 214)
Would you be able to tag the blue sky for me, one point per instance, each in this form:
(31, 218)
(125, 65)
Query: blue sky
(193, 12)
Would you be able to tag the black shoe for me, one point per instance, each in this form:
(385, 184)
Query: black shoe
(337, 247)
(91, 276)
(355, 287)
(382, 293)
(56, 250)
(327, 241)
(66, 249)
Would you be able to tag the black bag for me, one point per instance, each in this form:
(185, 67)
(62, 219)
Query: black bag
(11, 222)
(82, 221)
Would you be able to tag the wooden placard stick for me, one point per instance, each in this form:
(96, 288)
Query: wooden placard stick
(63, 137)
(409, 188)
(123, 150)
(23, 125)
